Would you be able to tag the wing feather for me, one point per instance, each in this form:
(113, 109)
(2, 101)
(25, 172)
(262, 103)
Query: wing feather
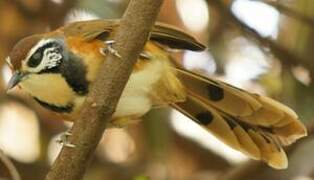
(161, 33)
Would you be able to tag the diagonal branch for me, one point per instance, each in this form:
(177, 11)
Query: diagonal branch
(102, 100)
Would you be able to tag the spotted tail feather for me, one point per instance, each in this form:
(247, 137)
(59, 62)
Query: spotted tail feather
(255, 125)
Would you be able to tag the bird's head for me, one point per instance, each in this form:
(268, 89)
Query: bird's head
(35, 55)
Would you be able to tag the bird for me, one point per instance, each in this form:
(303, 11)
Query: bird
(57, 69)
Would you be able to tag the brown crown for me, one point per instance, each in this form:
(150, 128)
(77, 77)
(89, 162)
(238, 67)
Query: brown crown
(21, 49)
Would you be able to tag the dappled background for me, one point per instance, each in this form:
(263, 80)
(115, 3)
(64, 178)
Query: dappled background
(264, 46)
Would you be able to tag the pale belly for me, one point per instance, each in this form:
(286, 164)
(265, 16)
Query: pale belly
(136, 99)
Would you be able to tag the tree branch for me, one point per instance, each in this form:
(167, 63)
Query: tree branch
(10, 166)
(106, 91)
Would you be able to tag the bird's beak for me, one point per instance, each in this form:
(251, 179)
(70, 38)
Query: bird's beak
(15, 80)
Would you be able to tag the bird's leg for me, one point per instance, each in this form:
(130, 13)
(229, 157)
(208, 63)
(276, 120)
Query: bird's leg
(110, 49)
(64, 139)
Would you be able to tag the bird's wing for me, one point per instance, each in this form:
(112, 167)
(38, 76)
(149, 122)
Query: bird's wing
(175, 38)
(162, 33)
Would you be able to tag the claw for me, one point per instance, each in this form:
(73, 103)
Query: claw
(110, 49)
(65, 141)
(146, 55)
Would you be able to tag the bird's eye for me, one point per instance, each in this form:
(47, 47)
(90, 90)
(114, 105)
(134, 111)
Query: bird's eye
(35, 60)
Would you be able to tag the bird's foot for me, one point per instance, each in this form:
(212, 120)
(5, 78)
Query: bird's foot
(110, 49)
(64, 140)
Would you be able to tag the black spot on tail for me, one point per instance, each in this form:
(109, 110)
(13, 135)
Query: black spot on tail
(215, 93)
(205, 118)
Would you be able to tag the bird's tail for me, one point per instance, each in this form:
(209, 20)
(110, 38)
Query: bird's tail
(252, 124)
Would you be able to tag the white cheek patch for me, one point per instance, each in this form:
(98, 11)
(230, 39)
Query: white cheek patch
(52, 58)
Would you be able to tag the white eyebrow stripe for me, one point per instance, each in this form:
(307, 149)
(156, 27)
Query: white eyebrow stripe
(40, 44)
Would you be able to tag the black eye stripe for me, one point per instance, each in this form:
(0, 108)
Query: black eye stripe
(37, 57)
